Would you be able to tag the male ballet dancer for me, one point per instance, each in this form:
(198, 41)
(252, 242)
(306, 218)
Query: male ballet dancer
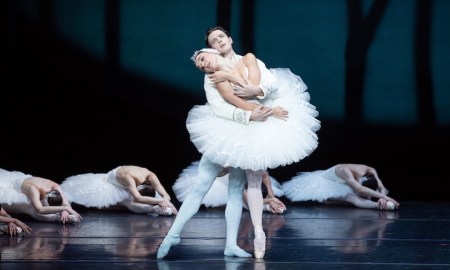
(208, 171)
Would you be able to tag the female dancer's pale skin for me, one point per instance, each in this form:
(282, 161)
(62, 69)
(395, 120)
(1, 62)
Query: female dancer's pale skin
(133, 176)
(210, 62)
(350, 173)
(369, 193)
(39, 192)
(13, 226)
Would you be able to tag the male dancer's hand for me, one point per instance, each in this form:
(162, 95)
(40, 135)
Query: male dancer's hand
(261, 113)
(247, 91)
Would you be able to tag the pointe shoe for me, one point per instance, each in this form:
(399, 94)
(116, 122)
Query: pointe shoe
(73, 219)
(158, 209)
(166, 244)
(259, 242)
(390, 205)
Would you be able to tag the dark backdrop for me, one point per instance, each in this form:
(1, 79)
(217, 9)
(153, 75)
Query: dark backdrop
(90, 85)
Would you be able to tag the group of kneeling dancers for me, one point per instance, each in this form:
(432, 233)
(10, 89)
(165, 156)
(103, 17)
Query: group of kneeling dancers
(256, 119)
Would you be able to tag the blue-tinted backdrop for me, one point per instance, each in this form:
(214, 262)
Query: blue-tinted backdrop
(90, 85)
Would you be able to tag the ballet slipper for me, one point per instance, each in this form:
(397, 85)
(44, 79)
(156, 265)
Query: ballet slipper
(168, 211)
(259, 242)
(267, 208)
(158, 209)
(236, 251)
(390, 205)
(166, 244)
(73, 219)
(4, 229)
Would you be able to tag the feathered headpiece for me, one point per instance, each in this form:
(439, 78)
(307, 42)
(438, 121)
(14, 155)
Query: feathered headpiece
(210, 50)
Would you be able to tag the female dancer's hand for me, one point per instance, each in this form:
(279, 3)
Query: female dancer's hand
(166, 204)
(75, 213)
(276, 206)
(24, 226)
(64, 217)
(13, 229)
(383, 203)
(280, 113)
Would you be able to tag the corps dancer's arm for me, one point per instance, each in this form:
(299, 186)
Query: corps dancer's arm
(158, 186)
(143, 199)
(364, 191)
(276, 205)
(65, 202)
(33, 194)
(5, 217)
(164, 202)
(268, 184)
(13, 223)
(381, 188)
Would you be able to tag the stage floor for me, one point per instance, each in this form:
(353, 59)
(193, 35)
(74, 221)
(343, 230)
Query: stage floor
(306, 236)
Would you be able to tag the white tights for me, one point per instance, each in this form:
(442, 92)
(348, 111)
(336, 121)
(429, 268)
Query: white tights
(207, 173)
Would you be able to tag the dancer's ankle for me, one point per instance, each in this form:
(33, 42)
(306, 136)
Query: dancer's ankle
(166, 244)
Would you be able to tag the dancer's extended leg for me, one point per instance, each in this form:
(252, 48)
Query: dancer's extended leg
(138, 208)
(25, 208)
(207, 173)
(233, 212)
(255, 204)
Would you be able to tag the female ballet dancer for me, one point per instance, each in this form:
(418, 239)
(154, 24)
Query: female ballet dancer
(286, 138)
(40, 198)
(124, 185)
(354, 184)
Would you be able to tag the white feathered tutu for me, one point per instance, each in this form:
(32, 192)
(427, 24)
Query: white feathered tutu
(10, 187)
(316, 186)
(260, 145)
(94, 190)
(218, 193)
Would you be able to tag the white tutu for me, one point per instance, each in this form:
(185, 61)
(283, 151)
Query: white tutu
(218, 193)
(260, 145)
(316, 186)
(10, 187)
(94, 190)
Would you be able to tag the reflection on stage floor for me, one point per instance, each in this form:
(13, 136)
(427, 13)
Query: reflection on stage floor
(306, 236)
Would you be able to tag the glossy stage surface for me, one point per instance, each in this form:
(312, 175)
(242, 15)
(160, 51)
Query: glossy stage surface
(306, 236)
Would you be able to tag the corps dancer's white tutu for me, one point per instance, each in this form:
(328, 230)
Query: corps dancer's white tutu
(260, 145)
(218, 193)
(11, 187)
(94, 189)
(316, 186)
